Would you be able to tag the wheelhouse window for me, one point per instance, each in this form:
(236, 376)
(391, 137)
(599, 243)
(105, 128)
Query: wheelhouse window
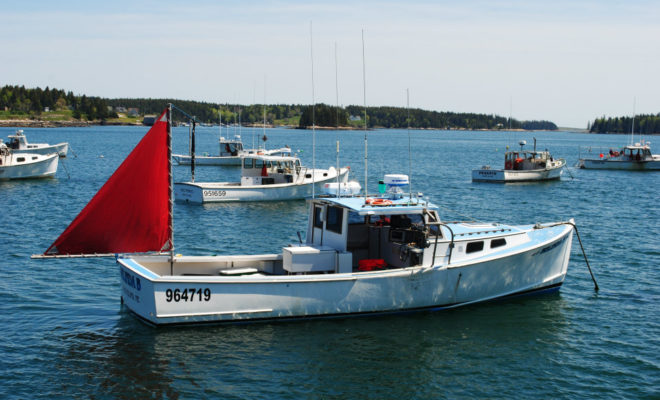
(318, 221)
(335, 219)
(497, 243)
(474, 247)
(355, 218)
(248, 163)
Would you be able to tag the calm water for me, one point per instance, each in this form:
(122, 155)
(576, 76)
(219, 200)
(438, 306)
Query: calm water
(65, 334)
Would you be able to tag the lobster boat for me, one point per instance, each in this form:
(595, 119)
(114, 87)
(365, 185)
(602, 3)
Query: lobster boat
(634, 157)
(362, 254)
(18, 143)
(522, 166)
(21, 165)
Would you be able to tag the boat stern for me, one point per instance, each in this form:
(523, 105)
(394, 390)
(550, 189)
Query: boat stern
(137, 289)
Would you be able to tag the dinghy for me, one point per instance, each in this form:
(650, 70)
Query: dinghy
(362, 255)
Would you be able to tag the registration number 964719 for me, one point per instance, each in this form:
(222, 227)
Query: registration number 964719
(188, 294)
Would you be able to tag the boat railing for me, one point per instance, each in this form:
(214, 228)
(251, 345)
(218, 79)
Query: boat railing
(451, 243)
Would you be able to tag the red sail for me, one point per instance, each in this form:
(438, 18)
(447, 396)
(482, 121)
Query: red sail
(131, 212)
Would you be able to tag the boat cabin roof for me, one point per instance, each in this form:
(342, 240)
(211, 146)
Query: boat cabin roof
(235, 139)
(358, 205)
(638, 146)
(272, 158)
(530, 153)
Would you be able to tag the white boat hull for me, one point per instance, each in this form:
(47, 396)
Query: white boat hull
(34, 166)
(620, 164)
(220, 192)
(163, 298)
(36, 148)
(504, 176)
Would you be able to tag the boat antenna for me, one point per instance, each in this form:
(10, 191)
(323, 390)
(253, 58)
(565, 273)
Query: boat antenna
(193, 123)
(254, 103)
(171, 184)
(364, 97)
(632, 127)
(337, 116)
(409, 149)
(264, 125)
(311, 52)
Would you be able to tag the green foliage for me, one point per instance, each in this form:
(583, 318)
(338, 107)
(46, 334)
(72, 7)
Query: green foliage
(323, 115)
(396, 117)
(644, 124)
(539, 125)
(19, 99)
(208, 112)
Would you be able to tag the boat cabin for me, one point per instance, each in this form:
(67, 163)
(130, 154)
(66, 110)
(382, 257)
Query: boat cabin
(268, 170)
(18, 141)
(231, 147)
(526, 160)
(637, 152)
(347, 234)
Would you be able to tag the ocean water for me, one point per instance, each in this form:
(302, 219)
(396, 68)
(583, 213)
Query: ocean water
(66, 335)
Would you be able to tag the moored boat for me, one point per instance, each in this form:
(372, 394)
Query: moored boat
(263, 178)
(362, 255)
(23, 165)
(18, 143)
(635, 157)
(231, 151)
(522, 166)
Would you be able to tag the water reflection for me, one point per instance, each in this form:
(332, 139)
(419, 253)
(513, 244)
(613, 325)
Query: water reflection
(356, 357)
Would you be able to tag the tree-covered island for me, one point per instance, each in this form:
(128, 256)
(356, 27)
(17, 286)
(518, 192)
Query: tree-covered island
(20, 106)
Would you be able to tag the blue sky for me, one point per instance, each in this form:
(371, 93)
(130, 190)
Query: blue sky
(565, 61)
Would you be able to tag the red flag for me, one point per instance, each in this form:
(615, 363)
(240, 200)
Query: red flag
(131, 212)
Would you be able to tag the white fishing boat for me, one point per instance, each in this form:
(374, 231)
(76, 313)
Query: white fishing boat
(635, 157)
(23, 165)
(263, 178)
(231, 151)
(18, 143)
(522, 166)
(361, 256)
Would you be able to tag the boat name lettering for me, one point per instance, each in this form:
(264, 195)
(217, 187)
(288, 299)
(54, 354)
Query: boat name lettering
(187, 294)
(552, 246)
(131, 280)
(488, 173)
(217, 193)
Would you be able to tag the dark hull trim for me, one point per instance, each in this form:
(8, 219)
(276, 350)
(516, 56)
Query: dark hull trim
(547, 289)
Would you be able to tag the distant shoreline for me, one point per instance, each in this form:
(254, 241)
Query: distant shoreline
(34, 123)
